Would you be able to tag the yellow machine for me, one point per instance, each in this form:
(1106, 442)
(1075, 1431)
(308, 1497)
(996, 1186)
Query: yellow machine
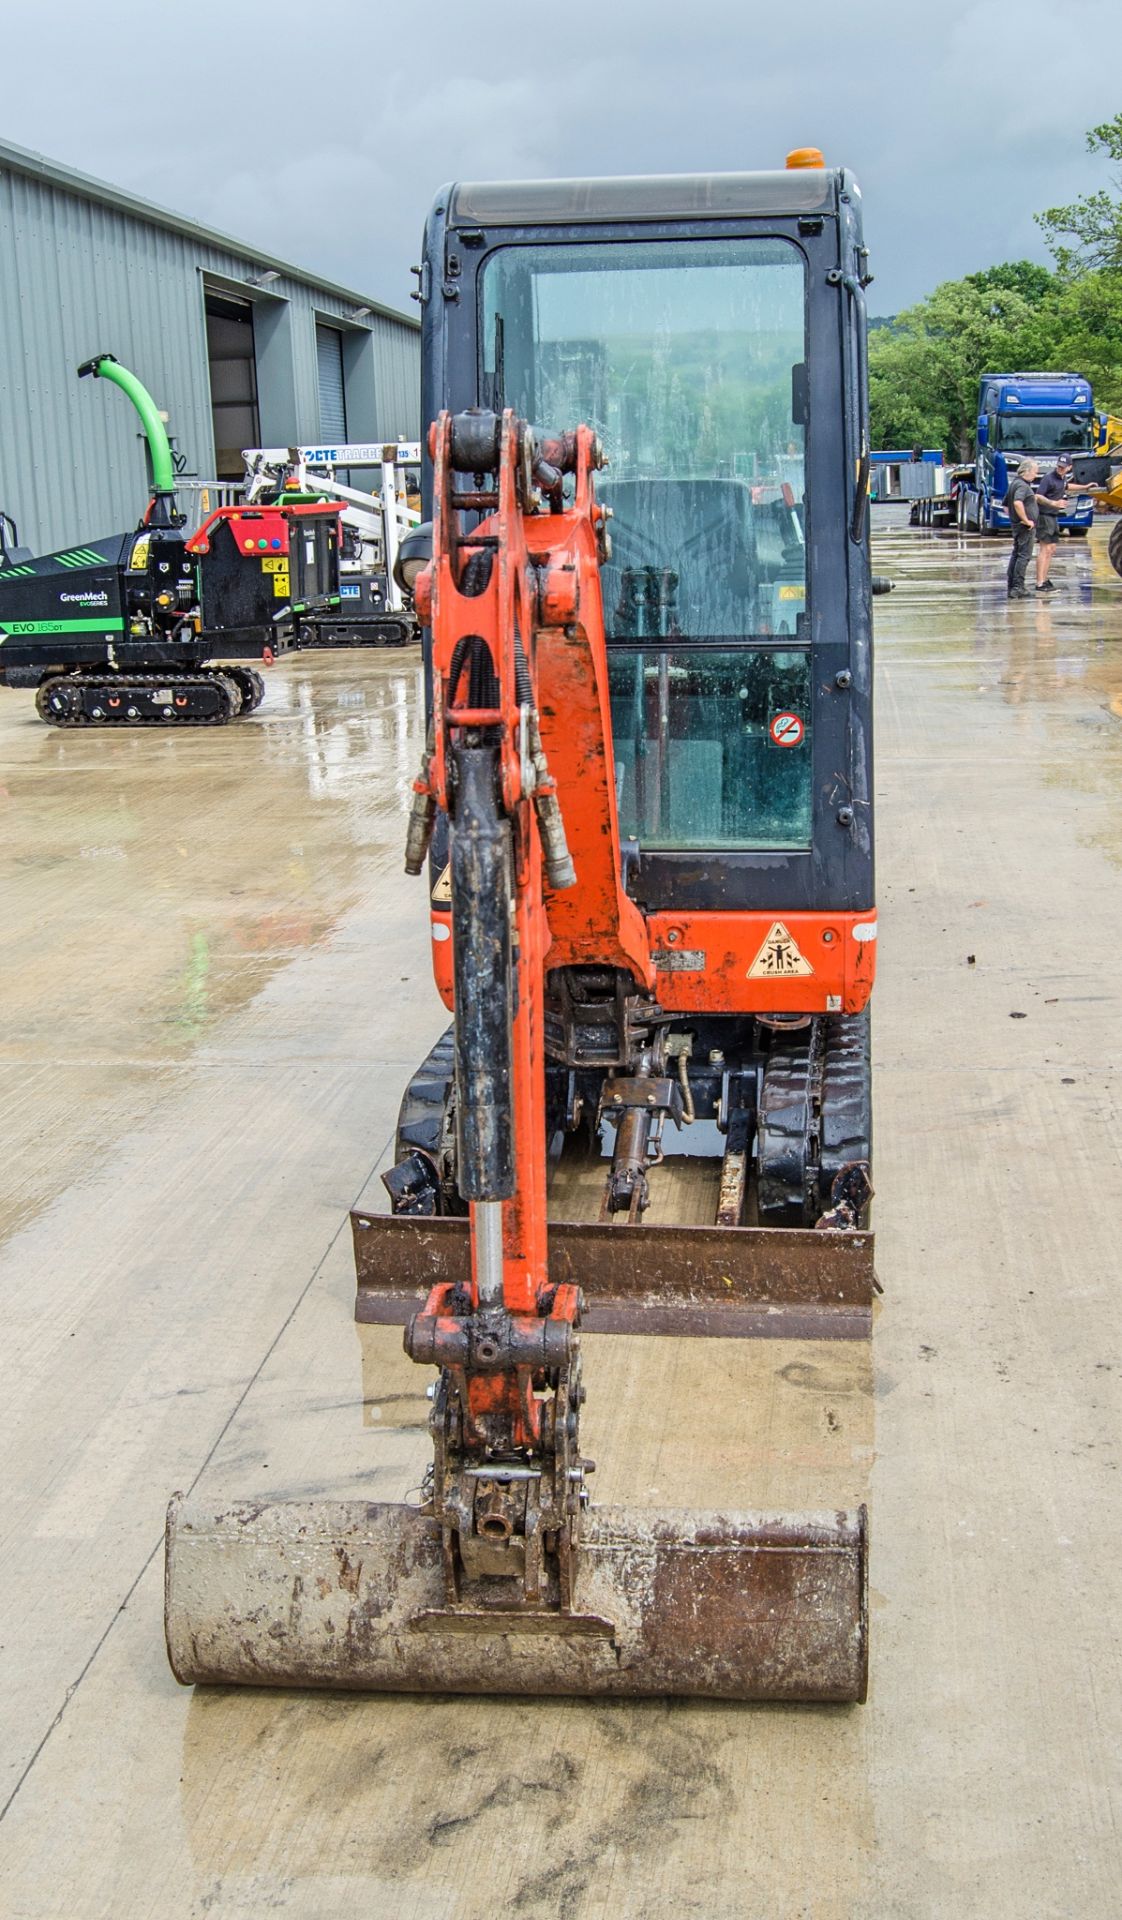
(1110, 441)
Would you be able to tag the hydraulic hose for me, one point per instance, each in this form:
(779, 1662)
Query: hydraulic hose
(105, 366)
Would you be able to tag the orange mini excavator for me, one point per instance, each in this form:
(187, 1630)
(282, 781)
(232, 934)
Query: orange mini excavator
(644, 808)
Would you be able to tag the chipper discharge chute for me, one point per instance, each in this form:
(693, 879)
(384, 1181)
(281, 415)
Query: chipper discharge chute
(644, 805)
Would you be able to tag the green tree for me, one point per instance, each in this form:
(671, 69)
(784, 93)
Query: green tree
(924, 365)
(1086, 237)
(1086, 334)
(924, 370)
(1026, 277)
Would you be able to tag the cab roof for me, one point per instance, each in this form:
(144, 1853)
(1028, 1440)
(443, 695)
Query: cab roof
(656, 196)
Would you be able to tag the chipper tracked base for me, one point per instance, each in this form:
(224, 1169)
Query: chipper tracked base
(609, 984)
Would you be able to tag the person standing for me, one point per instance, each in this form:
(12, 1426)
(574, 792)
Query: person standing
(1051, 495)
(1024, 512)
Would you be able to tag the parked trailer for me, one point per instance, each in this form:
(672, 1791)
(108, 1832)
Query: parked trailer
(917, 478)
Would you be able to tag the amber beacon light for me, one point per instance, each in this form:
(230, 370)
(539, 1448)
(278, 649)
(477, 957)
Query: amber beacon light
(805, 157)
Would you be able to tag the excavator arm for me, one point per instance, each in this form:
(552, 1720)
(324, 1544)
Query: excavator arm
(513, 631)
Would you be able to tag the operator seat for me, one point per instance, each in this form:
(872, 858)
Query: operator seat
(701, 530)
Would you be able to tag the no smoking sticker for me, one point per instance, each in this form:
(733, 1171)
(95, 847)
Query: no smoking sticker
(786, 730)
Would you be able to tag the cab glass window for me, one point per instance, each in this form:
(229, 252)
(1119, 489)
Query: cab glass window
(685, 357)
(688, 359)
(711, 748)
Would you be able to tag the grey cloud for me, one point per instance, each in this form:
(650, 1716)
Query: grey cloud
(321, 134)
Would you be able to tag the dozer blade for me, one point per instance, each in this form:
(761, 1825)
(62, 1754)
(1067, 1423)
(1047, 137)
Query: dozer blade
(728, 1606)
(793, 1283)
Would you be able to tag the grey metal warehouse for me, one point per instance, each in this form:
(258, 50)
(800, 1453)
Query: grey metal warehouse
(238, 349)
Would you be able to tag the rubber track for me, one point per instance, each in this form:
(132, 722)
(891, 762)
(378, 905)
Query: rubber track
(815, 1117)
(1114, 547)
(389, 632)
(392, 633)
(204, 677)
(787, 1130)
(421, 1119)
(846, 1125)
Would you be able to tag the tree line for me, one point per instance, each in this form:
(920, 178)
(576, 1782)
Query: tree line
(924, 364)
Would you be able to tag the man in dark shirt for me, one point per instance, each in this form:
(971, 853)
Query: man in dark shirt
(1021, 502)
(1051, 494)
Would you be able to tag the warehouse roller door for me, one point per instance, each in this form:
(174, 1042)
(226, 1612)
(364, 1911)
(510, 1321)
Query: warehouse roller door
(332, 401)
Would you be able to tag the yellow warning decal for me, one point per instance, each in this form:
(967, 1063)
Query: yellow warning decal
(779, 957)
(792, 593)
(280, 586)
(441, 895)
(275, 563)
(138, 558)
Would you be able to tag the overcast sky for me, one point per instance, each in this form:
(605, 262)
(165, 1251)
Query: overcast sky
(320, 132)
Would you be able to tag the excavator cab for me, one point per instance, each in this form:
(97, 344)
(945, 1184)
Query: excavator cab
(643, 813)
(710, 331)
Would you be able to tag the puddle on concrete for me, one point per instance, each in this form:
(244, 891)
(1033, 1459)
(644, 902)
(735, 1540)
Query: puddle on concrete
(154, 884)
(1056, 661)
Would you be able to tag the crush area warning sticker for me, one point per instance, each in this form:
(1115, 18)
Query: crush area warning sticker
(779, 957)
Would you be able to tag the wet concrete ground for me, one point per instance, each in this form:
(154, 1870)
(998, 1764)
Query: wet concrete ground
(213, 983)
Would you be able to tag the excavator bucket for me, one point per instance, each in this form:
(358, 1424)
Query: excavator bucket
(724, 1605)
(349, 1595)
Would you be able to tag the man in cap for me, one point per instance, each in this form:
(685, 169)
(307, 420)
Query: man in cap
(1051, 494)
